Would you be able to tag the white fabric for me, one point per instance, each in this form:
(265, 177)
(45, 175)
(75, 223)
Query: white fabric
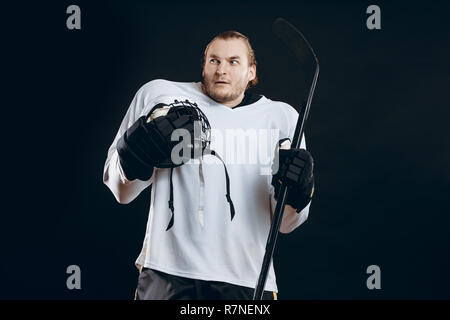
(203, 242)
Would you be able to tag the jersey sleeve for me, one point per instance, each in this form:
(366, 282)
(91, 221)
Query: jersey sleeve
(291, 219)
(123, 189)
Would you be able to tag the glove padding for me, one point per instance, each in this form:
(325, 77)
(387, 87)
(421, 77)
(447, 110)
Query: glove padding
(296, 172)
(147, 144)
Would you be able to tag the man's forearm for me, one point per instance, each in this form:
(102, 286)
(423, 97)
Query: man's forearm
(291, 218)
(123, 189)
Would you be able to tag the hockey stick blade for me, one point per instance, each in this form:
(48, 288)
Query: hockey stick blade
(297, 43)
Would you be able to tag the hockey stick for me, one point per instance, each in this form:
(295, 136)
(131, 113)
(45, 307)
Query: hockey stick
(303, 51)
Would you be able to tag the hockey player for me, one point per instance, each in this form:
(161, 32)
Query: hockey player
(192, 248)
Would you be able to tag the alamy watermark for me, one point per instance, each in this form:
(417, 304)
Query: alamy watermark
(234, 146)
(74, 20)
(374, 280)
(374, 20)
(74, 280)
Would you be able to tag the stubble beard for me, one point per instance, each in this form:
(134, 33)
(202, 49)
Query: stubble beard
(220, 95)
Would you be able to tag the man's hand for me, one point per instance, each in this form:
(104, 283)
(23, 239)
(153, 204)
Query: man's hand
(147, 144)
(296, 172)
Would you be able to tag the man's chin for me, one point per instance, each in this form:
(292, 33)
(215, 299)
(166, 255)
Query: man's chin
(219, 94)
(220, 97)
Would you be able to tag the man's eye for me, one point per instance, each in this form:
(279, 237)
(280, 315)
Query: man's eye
(214, 61)
(234, 62)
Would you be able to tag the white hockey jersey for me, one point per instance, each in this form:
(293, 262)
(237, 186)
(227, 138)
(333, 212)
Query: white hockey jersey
(204, 243)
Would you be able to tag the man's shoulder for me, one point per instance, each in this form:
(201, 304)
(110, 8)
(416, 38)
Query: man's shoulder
(281, 106)
(163, 85)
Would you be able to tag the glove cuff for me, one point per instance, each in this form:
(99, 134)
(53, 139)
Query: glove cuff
(132, 166)
(296, 197)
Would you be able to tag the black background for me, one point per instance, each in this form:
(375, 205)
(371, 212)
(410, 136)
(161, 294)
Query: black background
(377, 130)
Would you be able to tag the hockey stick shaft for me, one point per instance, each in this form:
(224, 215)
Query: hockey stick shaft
(282, 195)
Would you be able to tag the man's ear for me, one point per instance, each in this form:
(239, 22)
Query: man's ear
(252, 72)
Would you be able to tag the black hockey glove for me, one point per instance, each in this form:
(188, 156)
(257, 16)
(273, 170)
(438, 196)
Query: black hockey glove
(296, 171)
(147, 143)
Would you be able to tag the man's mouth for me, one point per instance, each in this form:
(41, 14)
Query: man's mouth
(221, 82)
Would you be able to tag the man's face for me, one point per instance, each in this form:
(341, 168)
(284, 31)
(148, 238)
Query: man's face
(226, 72)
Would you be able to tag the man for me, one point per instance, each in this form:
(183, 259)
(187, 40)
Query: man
(192, 249)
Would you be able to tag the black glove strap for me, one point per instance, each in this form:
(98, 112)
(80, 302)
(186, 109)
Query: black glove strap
(232, 212)
(171, 202)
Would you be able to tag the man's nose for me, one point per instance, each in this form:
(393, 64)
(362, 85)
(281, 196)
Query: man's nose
(221, 68)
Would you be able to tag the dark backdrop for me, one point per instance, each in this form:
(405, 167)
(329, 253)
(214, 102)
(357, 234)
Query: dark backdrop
(377, 130)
